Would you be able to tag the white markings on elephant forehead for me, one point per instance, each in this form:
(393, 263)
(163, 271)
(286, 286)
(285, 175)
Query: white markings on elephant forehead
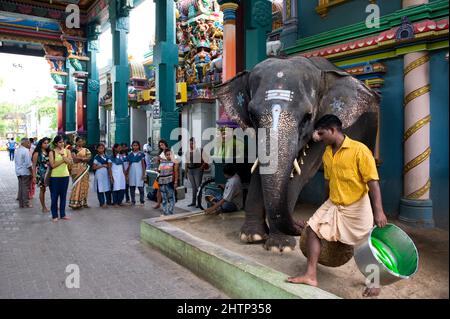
(280, 74)
(337, 104)
(285, 95)
(276, 111)
(240, 99)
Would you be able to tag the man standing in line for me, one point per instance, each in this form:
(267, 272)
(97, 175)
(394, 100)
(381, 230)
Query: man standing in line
(147, 150)
(23, 171)
(11, 148)
(347, 216)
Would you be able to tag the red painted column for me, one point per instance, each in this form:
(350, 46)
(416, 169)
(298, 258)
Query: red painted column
(80, 79)
(61, 109)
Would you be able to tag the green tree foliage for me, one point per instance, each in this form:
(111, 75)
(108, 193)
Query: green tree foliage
(11, 114)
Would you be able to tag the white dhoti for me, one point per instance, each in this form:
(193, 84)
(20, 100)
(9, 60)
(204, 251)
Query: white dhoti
(346, 224)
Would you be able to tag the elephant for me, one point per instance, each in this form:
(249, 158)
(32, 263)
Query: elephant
(301, 90)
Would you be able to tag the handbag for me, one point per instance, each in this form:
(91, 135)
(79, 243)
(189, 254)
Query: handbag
(47, 176)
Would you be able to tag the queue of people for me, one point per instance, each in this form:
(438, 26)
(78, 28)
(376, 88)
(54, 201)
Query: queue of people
(117, 177)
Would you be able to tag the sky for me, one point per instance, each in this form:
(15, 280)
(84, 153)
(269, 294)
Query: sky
(142, 31)
(26, 77)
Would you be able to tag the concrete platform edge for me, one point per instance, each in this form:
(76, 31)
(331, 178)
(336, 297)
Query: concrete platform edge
(235, 275)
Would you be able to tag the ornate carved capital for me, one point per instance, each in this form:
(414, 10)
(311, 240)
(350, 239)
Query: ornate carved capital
(262, 13)
(93, 85)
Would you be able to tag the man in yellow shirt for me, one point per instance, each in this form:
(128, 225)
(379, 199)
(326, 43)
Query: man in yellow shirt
(350, 177)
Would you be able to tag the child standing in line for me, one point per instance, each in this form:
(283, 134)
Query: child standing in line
(136, 172)
(101, 181)
(124, 157)
(168, 182)
(117, 176)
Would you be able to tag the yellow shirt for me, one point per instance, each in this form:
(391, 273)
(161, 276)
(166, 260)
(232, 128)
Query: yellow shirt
(349, 171)
(62, 170)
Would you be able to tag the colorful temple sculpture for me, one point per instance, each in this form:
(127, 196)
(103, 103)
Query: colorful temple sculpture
(199, 36)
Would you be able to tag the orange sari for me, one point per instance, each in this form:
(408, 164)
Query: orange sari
(80, 181)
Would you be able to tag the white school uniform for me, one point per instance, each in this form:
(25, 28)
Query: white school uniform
(118, 175)
(101, 180)
(135, 174)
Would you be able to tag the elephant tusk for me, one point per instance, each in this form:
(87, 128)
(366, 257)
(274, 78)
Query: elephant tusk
(292, 174)
(304, 152)
(255, 165)
(301, 161)
(297, 167)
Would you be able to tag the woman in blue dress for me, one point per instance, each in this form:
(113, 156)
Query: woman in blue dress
(136, 172)
(117, 176)
(101, 180)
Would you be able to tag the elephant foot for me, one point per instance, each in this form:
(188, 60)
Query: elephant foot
(279, 243)
(252, 233)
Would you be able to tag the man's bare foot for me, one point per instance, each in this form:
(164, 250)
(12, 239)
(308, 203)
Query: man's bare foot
(303, 280)
(156, 206)
(371, 292)
(54, 220)
(66, 218)
(45, 210)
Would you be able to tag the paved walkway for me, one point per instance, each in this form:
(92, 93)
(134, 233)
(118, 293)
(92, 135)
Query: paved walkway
(104, 243)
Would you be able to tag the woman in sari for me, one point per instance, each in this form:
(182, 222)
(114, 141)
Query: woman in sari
(80, 175)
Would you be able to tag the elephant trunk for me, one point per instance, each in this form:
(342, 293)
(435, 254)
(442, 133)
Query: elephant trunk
(276, 186)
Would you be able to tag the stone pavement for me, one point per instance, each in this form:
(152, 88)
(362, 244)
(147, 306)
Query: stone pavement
(103, 243)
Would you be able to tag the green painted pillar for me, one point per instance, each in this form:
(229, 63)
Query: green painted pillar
(93, 87)
(258, 23)
(119, 19)
(70, 98)
(165, 61)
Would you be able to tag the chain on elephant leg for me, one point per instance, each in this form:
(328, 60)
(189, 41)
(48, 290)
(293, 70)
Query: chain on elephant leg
(279, 243)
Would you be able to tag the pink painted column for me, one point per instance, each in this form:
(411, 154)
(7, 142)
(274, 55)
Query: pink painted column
(229, 51)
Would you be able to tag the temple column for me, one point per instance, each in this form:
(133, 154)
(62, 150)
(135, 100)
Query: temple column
(93, 87)
(70, 99)
(165, 61)
(119, 19)
(80, 80)
(61, 108)
(258, 23)
(416, 205)
(56, 59)
(229, 8)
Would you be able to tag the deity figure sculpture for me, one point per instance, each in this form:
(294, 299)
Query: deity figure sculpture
(80, 48)
(180, 75)
(201, 60)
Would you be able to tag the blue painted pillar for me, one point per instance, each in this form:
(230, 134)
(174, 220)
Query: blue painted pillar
(258, 23)
(70, 98)
(165, 61)
(119, 19)
(93, 124)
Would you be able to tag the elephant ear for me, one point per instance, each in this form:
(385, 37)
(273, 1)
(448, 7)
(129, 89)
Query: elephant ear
(351, 100)
(234, 95)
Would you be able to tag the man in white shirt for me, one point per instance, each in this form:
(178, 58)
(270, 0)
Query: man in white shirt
(147, 150)
(232, 198)
(23, 164)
